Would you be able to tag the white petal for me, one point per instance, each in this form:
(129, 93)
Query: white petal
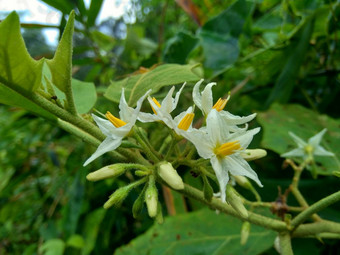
(236, 120)
(301, 143)
(180, 116)
(104, 125)
(125, 111)
(315, 140)
(320, 151)
(222, 175)
(196, 94)
(167, 102)
(238, 166)
(147, 117)
(107, 145)
(135, 113)
(215, 127)
(201, 141)
(298, 152)
(175, 102)
(207, 98)
(245, 138)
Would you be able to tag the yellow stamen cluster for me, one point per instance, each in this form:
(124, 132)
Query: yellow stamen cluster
(157, 103)
(115, 121)
(227, 149)
(220, 104)
(186, 121)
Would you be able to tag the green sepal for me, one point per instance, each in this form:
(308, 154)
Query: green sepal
(207, 189)
(138, 204)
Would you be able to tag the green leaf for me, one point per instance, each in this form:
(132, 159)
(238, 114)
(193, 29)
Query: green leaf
(137, 85)
(179, 47)
(219, 35)
(280, 119)
(85, 95)
(295, 53)
(201, 232)
(76, 241)
(16, 65)
(93, 11)
(53, 247)
(64, 6)
(104, 41)
(61, 64)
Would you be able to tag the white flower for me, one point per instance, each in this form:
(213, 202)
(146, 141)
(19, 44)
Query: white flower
(204, 101)
(161, 110)
(309, 149)
(224, 150)
(114, 128)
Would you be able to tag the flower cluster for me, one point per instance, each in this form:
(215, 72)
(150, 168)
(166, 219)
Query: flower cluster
(223, 140)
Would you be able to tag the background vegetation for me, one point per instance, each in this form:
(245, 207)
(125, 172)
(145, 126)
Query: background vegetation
(278, 58)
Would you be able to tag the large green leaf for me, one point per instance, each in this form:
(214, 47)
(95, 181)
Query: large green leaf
(61, 64)
(137, 85)
(201, 232)
(179, 47)
(295, 53)
(16, 65)
(280, 119)
(219, 35)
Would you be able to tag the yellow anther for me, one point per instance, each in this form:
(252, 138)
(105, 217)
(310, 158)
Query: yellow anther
(115, 121)
(220, 104)
(186, 121)
(157, 103)
(227, 148)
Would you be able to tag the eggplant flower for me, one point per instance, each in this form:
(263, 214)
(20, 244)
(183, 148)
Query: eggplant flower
(307, 150)
(204, 101)
(161, 110)
(224, 149)
(115, 128)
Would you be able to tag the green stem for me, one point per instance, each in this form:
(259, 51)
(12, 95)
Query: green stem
(70, 100)
(321, 204)
(285, 243)
(215, 203)
(148, 149)
(315, 228)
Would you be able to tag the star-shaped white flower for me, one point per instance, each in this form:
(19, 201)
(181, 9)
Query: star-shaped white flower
(161, 110)
(307, 150)
(224, 149)
(204, 101)
(114, 128)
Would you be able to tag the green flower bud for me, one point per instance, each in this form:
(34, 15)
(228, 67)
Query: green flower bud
(243, 181)
(245, 230)
(236, 202)
(120, 194)
(159, 217)
(117, 197)
(107, 172)
(170, 176)
(252, 154)
(151, 197)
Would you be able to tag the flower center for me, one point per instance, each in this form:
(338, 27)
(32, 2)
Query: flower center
(186, 121)
(115, 121)
(309, 149)
(227, 149)
(157, 103)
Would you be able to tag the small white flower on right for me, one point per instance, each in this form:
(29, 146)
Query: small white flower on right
(307, 150)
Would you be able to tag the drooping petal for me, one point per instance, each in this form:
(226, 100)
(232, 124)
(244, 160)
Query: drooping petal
(125, 112)
(136, 111)
(236, 120)
(107, 145)
(196, 94)
(104, 125)
(239, 166)
(298, 152)
(175, 101)
(147, 117)
(221, 172)
(301, 143)
(167, 102)
(207, 98)
(315, 140)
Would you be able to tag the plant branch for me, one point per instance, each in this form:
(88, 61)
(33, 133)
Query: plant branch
(285, 243)
(321, 204)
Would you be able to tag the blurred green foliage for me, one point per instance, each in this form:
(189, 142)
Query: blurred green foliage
(264, 52)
